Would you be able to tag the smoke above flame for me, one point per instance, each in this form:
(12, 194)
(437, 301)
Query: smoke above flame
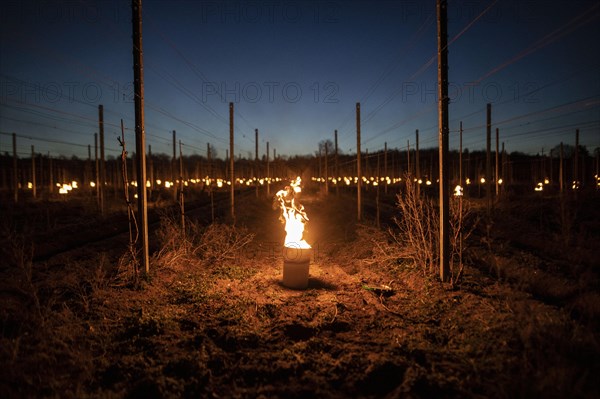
(293, 215)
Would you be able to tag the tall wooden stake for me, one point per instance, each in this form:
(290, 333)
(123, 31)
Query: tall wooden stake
(561, 177)
(210, 187)
(140, 133)
(102, 162)
(256, 181)
(231, 164)
(181, 197)
(460, 154)
(326, 168)
(408, 171)
(96, 169)
(33, 182)
(488, 159)
(417, 164)
(443, 138)
(503, 170)
(576, 164)
(15, 171)
(497, 174)
(173, 160)
(150, 163)
(385, 166)
(377, 212)
(337, 170)
(358, 169)
(50, 174)
(268, 172)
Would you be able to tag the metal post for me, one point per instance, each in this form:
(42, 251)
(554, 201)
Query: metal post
(358, 169)
(231, 164)
(140, 133)
(443, 138)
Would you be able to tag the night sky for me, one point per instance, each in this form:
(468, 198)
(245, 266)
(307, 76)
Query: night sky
(295, 70)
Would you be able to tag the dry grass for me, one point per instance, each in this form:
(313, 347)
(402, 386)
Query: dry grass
(418, 226)
(207, 247)
(414, 241)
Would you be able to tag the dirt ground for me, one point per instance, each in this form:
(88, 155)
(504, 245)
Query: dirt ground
(216, 322)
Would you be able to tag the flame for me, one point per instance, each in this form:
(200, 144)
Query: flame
(292, 215)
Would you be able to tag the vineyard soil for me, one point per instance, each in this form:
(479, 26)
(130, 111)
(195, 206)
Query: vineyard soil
(214, 322)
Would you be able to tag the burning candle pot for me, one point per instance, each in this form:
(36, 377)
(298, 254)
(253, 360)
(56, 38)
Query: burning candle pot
(296, 251)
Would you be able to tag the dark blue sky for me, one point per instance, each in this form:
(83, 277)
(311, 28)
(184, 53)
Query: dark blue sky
(295, 70)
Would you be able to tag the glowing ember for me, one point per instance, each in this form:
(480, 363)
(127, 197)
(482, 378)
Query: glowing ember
(292, 215)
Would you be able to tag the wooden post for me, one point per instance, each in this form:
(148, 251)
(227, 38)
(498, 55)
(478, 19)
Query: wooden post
(366, 167)
(88, 169)
(460, 161)
(417, 164)
(15, 169)
(150, 163)
(385, 166)
(552, 167)
(497, 174)
(181, 197)
(320, 172)
(231, 164)
(33, 182)
(503, 171)
(561, 181)
(256, 161)
(97, 170)
(268, 171)
(337, 170)
(326, 168)
(443, 100)
(377, 212)
(576, 164)
(358, 169)
(140, 133)
(210, 186)
(102, 162)
(597, 181)
(408, 158)
(173, 160)
(50, 174)
(488, 159)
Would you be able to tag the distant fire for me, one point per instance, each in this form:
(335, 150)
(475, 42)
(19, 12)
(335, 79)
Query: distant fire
(292, 215)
